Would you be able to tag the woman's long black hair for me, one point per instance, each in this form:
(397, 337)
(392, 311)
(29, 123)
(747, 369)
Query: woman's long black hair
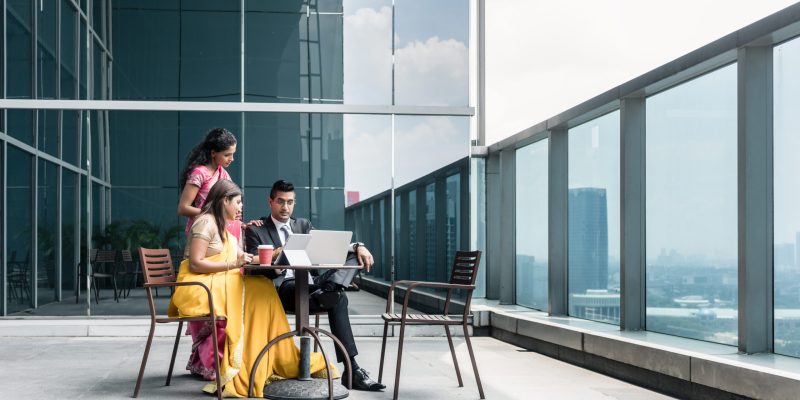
(217, 139)
(223, 189)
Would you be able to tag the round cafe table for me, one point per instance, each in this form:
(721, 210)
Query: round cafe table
(304, 387)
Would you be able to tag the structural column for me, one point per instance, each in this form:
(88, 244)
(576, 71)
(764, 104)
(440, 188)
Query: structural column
(755, 198)
(558, 205)
(508, 252)
(632, 214)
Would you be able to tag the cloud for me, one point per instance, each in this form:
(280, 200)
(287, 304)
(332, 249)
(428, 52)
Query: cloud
(433, 72)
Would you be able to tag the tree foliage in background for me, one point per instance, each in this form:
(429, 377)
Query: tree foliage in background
(133, 234)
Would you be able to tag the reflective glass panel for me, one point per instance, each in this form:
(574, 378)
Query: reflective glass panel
(69, 233)
(382, 252)
(786, 142)
(83, 61)
(197, 45)
(532, 224)
(69, 50)
(429, 240)
(47, 232)
(273, 51)
(452, 221)
(413, 232)
(98, 18)
(594, 284)
(46, 50)
(142, 34)
(19, 65)
(691, 209)
(400, 238)
(431, 52)
(98, 81)
(210, 52)
(96, 137)
(426, 144)
(367, 156)
(19, 195)
(367, 54)
(47, 127)
(321, 58)
(69, 136)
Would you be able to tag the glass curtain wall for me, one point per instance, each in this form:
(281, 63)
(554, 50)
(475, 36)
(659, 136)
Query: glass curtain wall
(786, 142)
(414, 168)
(593, 229)
(293, 52)
(691, 209)
(532, 225)
(51, 51)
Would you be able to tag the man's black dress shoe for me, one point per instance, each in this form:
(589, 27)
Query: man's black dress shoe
(362, 381)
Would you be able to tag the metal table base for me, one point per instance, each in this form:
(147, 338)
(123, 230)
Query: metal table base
(304, 387)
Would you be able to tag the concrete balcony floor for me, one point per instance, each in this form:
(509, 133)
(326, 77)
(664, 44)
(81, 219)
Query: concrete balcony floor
(99, 357)
(106, 367)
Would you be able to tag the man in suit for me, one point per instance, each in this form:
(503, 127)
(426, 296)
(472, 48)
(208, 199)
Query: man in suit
(325, 292)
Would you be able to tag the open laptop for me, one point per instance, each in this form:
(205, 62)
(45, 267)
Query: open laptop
(320, 247)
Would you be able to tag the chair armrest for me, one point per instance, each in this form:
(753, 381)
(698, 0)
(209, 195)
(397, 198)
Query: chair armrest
(411, 285)
(188, 283)
(390, 296)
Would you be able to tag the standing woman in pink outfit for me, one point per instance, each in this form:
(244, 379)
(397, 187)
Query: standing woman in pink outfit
(205, 166)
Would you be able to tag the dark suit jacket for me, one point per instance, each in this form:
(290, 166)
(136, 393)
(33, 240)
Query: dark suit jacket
(268, 234)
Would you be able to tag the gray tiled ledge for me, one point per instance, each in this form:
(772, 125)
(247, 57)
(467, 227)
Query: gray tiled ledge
(762, 376)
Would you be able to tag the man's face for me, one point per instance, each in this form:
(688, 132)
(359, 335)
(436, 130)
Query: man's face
(282, 206)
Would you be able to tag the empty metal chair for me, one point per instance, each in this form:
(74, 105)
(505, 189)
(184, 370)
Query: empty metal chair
(465, 269)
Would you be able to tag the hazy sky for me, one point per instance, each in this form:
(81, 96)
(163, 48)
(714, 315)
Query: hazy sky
(543, 57)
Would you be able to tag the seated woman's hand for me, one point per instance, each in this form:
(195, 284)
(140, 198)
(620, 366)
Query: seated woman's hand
(243, 258)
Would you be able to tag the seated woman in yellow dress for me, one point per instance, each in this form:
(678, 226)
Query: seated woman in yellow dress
(251, 305)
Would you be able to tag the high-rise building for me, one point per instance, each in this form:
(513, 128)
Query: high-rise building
(588, 240)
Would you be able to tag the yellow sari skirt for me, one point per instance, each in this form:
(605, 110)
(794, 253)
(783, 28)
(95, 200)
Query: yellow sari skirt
(254, 317)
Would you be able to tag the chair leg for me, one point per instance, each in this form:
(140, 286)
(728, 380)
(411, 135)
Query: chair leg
(474, 364)
(453, 353)
(174, 352)
(144, 359)
(216, 359)
(96, 291)
(383, 350)
(399, 360)
(316, 325)
(114, 281)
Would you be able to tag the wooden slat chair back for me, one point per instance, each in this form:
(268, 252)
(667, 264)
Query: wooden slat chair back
(158, 271)
(463, 276)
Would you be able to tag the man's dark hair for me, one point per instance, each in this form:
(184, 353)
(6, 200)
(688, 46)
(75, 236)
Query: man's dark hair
(280, 186)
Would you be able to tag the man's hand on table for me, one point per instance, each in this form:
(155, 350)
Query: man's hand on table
(364, 257)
